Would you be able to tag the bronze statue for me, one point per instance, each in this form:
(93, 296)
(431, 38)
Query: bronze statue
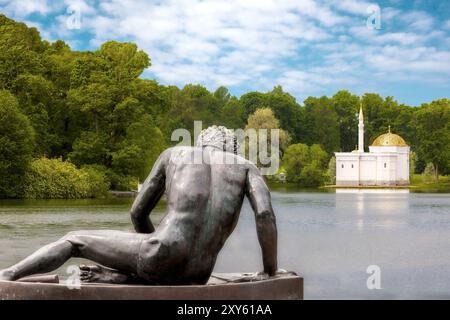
(203, 205)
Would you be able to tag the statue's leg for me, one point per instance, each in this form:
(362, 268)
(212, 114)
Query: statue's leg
(114, 249)
(46, 259)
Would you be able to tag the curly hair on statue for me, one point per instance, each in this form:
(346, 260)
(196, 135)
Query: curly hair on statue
(219, 137)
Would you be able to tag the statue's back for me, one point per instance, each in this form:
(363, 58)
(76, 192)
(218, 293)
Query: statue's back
(205, 189)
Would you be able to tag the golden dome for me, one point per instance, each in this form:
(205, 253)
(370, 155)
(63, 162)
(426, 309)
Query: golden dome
(389, 139)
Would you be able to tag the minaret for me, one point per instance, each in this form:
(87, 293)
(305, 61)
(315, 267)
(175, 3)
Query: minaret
(361, 130)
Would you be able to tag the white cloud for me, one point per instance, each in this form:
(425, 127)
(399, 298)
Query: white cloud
(23, 8)
(407, 37)
(420, 60)
(213, 41)
(304, 45)
(389, 13)
(357, 7)
(417, 20)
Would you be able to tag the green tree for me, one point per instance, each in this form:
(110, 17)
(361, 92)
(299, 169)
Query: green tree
(265, 119)
(286, 110)
(20, 51)
(433, 134)
(123, 61)
(295, 159)
(16, 146)
(252, 101)
(140, 149)
(95, 101)
(90, 148)
(346, 106)
(331, 173)
(233, 114)
(222, 95)
(381, 113)
(305, 165)
(319, 155)
(322, 124)
(412, 163)
(376, 121)
(312, 175)
(36, 100)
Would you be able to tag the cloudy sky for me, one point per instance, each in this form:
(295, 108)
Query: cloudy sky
(310, 47)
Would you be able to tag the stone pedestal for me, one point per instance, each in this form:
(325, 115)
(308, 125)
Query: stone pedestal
(220, 287)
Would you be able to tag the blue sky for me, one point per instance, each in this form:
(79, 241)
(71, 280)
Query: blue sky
(310, 47)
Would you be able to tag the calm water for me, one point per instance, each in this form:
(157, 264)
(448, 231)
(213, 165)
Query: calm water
(328, 238)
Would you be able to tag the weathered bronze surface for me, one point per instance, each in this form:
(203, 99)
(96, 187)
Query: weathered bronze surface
(204, 199)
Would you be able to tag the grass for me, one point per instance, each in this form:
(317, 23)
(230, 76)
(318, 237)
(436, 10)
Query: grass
(423, 184)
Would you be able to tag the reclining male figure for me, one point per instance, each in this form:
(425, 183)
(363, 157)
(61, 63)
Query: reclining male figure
(203, 205)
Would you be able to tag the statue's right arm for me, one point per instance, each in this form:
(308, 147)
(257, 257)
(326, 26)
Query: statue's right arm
(149, 195)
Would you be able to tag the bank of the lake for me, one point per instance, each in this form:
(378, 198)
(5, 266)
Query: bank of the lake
(418, 184)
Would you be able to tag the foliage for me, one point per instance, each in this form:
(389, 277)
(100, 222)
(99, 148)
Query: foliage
(265, 119)
(429, 174)
(432, 124)
(122, 182)
(305, 165)
(312, 175)
(57, 179)
(98, 180)
(331, 172)
(412, 163)
(16, 146)
(346, 106)
(321, 123)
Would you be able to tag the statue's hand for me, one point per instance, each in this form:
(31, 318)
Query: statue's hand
(262, 275)
(282, 272)
(279, 273)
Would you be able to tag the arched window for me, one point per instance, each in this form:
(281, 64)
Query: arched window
(385, 164)
(352, 166)
(342, 166)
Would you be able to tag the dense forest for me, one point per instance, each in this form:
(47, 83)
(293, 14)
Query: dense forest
(74, 124)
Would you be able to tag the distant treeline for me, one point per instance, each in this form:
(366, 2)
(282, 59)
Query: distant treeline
(92, 110)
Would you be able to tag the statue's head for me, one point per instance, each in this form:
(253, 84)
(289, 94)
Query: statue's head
(218, 137)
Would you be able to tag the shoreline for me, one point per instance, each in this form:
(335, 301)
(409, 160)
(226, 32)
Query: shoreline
(368, 187)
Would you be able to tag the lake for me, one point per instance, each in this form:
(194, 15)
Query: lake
(329, 238)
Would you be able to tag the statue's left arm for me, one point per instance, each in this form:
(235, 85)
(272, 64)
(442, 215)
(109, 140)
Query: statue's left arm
(152, 190)
(259, 197)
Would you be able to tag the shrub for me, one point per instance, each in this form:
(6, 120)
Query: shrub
(305, 165)
(295, 159)
(331, 172)
(57, 179)
(98, 180)
(121, 182)
(312, 175)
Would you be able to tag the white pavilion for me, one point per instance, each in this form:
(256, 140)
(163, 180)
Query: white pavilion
(386, 163)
